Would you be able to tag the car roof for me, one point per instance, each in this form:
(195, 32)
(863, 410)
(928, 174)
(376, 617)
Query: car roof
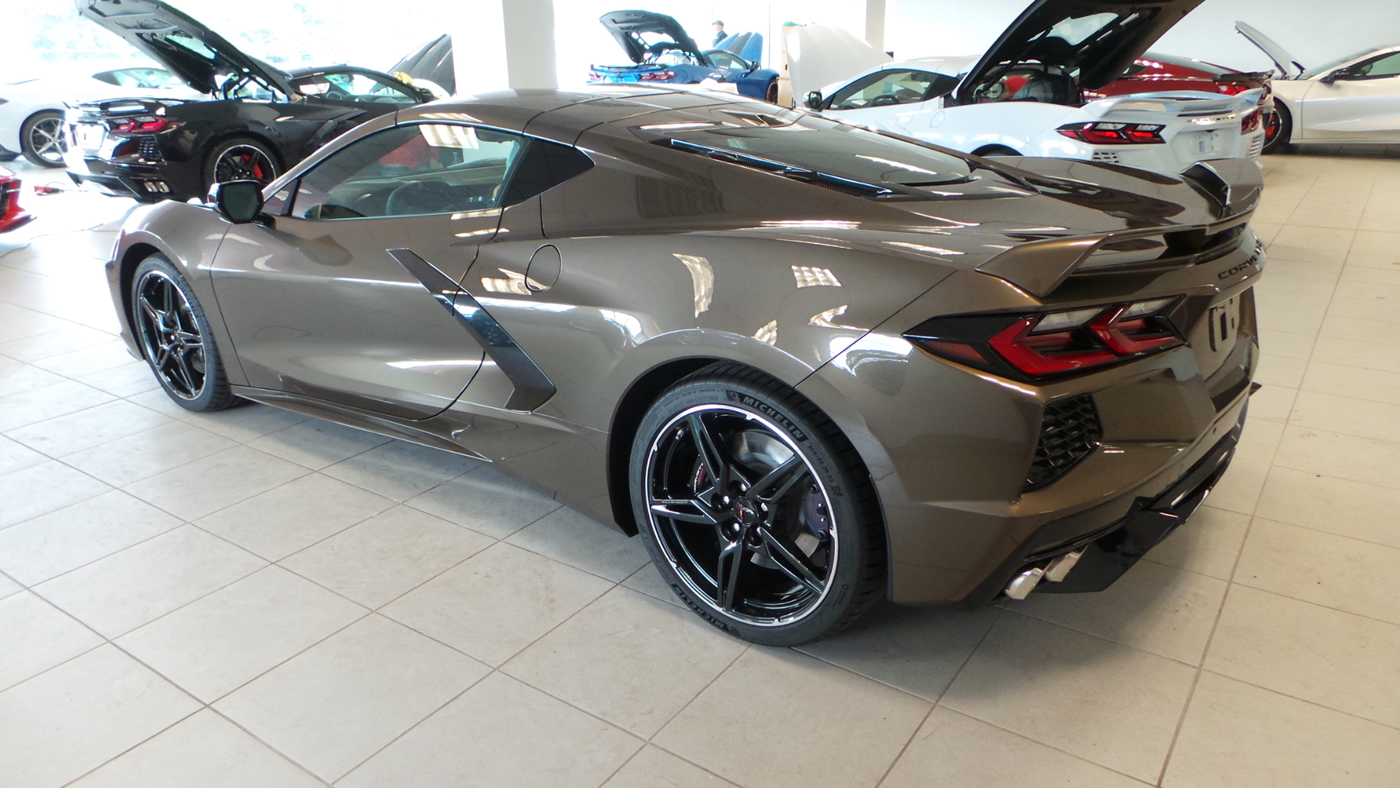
(564, 114)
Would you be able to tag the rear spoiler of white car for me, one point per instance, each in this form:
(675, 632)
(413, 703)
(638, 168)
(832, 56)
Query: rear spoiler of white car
(1177, 102)
(1040, 267)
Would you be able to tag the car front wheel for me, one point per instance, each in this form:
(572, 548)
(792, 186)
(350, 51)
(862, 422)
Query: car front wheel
(755, 508)
(175, 338)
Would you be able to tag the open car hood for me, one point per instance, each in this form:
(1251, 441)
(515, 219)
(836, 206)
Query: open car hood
(1283, 61)
(431, 62)
(748, 47)
(1101, 38)
(187, 48)
(628, 26)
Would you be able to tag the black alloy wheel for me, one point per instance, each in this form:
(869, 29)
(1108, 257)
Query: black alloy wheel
(756, 510)
(1278, 130)
(241, 160)
(771, 94)
(42, 139)
(175, 338)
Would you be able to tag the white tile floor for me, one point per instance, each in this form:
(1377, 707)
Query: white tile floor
(255, 599)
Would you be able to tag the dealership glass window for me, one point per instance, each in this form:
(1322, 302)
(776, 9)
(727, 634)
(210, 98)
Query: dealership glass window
(886, 88)
(413, 170)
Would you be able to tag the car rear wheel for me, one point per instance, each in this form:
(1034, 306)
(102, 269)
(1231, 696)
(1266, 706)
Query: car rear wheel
(175, 338)
(755, 508)
(240, 159)
(771, 94)
(41, 139)
(1278, 130)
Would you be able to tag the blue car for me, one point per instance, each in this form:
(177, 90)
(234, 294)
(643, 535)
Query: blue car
(663, 53)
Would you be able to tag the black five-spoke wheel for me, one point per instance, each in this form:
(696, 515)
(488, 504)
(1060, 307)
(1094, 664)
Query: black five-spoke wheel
(170, 336)
(740, 515)
(174, 337)
(746, 502)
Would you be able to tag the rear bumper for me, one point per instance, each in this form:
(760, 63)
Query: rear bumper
(1111, 551)
(141, 181)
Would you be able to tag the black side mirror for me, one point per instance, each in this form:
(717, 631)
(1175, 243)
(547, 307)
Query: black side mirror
(1341, 73)
(240, 202)
(814, 100)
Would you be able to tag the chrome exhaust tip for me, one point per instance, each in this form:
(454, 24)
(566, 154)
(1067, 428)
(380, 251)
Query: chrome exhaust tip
(1023, 584)
(1059, 567)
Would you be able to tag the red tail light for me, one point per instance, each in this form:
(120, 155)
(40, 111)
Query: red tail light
(1250, 122)
(595, 76)
(658, 76)
(1099, 133)
(1054, 343)
(140, 124)
(1231, 88)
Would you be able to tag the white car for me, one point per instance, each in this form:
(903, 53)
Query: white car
(1024, 97)
(1354, 99)
(31, 110)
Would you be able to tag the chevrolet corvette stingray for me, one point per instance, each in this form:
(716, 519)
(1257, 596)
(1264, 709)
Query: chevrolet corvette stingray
(809, 364)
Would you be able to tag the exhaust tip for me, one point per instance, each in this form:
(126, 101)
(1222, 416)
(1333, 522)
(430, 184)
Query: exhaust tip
(1023, 584)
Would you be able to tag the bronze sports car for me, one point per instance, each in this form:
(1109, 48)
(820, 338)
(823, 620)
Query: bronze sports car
(811, 365)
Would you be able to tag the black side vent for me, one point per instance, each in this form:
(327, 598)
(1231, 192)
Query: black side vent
(149, 148)
(1069, 433)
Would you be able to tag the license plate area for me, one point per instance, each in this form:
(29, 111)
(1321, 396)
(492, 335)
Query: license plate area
(89, 136)
(1206, 142)
(1224, 325)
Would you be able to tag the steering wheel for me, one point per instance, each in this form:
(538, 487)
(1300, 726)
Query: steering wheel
(883, 101)
(337, 95)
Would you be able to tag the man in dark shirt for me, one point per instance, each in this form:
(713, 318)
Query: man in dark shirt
(720, 35)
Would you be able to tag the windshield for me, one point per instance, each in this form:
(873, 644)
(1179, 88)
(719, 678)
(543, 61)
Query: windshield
(1333, 65)
(825, 146)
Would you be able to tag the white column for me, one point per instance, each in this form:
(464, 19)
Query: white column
(875, 24)
(503, 44)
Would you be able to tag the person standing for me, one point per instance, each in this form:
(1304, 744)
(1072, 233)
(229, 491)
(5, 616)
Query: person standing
(720, 35)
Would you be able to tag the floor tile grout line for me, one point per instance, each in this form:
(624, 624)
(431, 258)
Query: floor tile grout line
(999, 615)
(1205, 652)
(1046, 745)
(1273, 691)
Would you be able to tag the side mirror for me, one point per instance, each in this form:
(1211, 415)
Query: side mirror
(240, 202)
(1341, 73)
(814, 100)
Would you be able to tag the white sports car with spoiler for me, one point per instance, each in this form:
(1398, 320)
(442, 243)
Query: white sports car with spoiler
(1024, 97)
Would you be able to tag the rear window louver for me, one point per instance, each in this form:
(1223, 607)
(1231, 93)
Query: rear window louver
(843, 185)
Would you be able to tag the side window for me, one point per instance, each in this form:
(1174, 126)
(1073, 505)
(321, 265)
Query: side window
(727, 61)
(1387, 66)
(354, 86)
(411, 171)
(886, 88)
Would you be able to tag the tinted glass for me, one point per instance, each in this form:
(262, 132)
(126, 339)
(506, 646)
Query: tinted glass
(354, 86)
(726, 61)
(888, 88)
(814, 143)
(1388, 66)
(411, 171)
(544, 166)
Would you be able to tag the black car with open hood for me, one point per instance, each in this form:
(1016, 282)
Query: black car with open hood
(258, 121)
(1090, 41)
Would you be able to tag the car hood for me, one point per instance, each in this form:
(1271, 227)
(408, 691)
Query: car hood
(187, 48)
(1099, 38)
(745, 46)
(432, 62)
(1283, 61)
(627, 27)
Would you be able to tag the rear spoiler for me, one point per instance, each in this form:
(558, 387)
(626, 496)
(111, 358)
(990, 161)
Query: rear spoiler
(1040, 267)
(1245, 76)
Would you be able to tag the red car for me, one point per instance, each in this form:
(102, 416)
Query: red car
(11, 214)
(1153, 72)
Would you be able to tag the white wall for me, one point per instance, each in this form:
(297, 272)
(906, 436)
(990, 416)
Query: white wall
(1314, 31)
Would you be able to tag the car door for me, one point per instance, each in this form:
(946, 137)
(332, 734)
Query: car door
(318, 306)
(1362, 103)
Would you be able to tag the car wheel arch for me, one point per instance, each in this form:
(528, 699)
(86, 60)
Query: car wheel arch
(249, 134)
